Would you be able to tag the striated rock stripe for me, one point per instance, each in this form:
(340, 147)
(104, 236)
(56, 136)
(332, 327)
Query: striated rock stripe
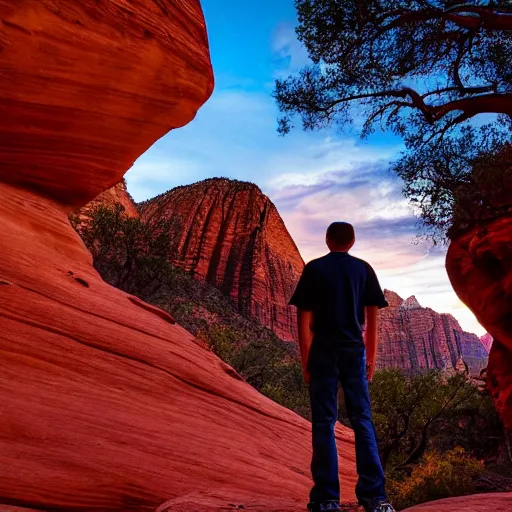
(88, 86)
(231, 235)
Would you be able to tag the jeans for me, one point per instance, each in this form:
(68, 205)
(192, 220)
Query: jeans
(329, 365)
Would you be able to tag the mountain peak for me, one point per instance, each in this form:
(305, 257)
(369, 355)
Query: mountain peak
(394, 300)
(231, 235)
(411, 303)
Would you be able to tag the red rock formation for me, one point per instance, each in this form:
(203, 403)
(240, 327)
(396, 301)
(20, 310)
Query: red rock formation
(479, 503)
(486, 340)
(233, 236)
(87, 101)
(414, 338)
(116, 195)
(479, 264)
(105, 405)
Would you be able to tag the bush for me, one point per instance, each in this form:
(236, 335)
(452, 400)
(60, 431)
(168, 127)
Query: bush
(411, 414)
(438, 476)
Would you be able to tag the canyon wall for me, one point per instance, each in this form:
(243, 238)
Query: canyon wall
(479, 264)
(414, 338)
(231, 235)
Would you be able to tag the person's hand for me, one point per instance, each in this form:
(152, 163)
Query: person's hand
(370, 370)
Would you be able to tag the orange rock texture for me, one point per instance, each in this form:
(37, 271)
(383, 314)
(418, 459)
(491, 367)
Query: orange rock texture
(88, 86)
(479, 264)
(414, 338)
(231, 235)
(478, 503)
(106, 405)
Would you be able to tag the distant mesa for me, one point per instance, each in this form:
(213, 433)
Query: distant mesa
(415, 339)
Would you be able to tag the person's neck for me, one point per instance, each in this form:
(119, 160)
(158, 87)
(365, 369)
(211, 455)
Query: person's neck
(340, 250)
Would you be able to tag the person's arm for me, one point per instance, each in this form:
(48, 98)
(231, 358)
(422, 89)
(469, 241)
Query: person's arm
(371, 340)
(304, 300)
(374, 300)
(305, 322)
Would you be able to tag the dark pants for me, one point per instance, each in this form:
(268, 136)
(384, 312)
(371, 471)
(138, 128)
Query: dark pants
(331, 364)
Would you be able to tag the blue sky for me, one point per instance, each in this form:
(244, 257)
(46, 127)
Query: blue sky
(313, 178)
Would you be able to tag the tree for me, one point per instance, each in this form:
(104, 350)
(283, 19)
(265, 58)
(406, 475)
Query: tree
(420, 68)
(129, 252)
(409, 412)
(440, 475)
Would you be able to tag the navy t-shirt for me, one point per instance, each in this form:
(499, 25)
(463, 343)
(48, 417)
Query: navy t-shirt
(336, 288)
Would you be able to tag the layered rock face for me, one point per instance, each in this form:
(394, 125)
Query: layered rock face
(106, 405)
(88, 86)
(487, 340)
(232, 235)
(116, 195)
(414, 339)
(479, 264)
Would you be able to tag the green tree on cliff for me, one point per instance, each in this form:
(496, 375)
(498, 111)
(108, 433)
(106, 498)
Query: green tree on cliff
(129, 252)
(423, 69)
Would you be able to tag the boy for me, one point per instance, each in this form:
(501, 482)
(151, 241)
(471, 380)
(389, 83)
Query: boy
(334, 296)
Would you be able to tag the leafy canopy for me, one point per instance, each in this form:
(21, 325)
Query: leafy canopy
(423, 69)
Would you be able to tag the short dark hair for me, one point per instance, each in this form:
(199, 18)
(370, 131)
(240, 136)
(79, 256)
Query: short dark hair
(341, 233)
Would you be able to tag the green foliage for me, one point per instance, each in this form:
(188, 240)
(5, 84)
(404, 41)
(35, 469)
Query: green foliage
(267, 363)
(419, 68)
(130, 253)
(370, 52)
(437, 476)
(414, 413)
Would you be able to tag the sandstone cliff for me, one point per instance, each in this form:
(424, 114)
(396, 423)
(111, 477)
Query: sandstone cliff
(113, 196)
(106, 405)
(414, 338)
(89, 100)
(486, 340)
(232, 236)
(479, 264)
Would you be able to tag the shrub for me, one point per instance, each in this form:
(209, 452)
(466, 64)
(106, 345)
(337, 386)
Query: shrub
(437, 476)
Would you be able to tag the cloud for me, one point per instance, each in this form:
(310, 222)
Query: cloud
(313, 179)
(369, 196)
(289, 53)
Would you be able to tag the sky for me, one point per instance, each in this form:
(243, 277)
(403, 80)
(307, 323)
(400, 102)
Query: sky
(312, 178)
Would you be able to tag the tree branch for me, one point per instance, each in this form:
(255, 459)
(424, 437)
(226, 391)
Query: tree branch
(486, 18)
(456, 67)
(466, 90)
(487, 103)
(400, 93)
